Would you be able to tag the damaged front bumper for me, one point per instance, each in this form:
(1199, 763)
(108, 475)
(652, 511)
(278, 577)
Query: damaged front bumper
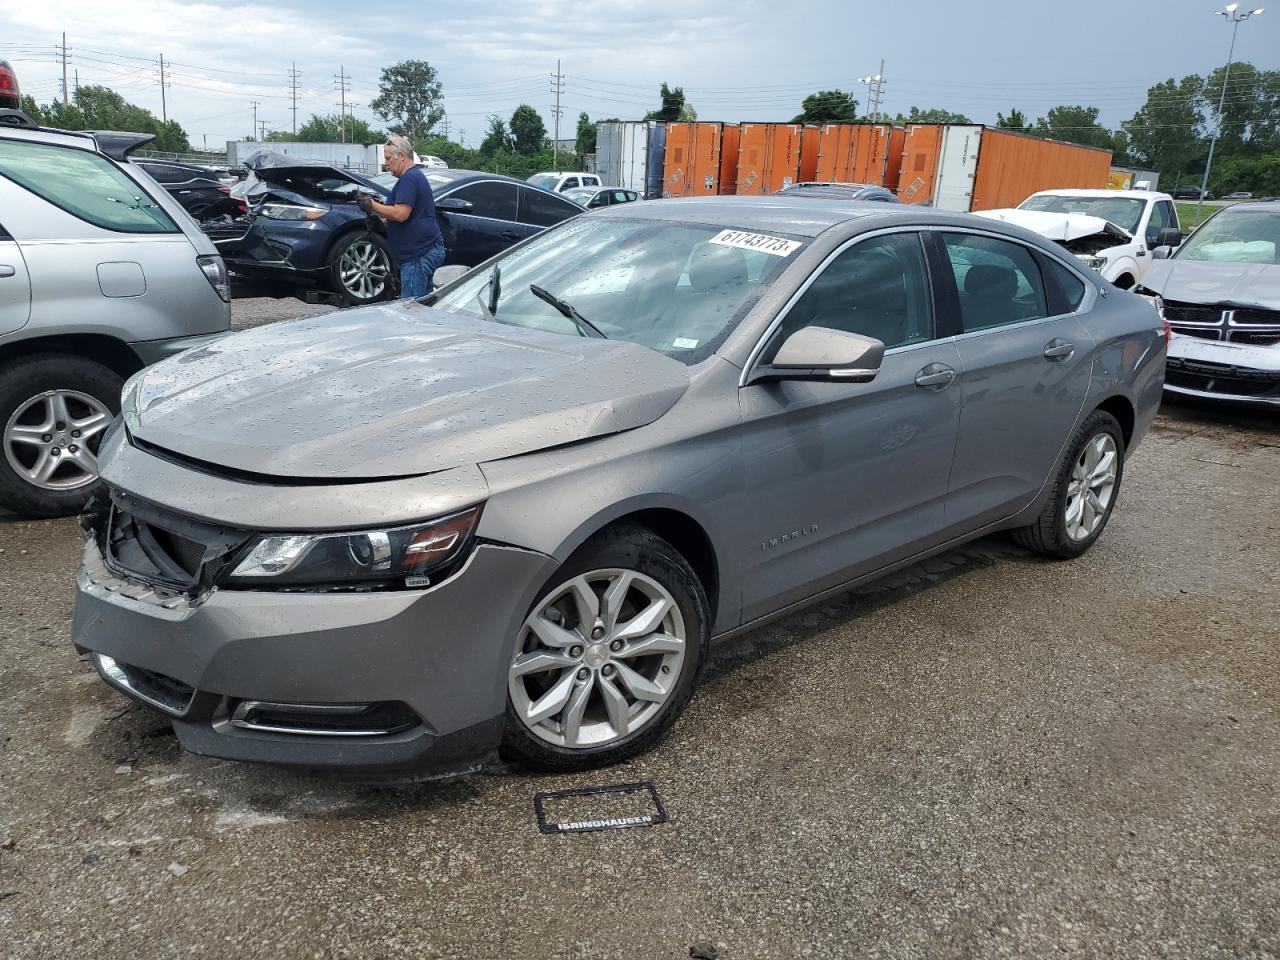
(1224, 370)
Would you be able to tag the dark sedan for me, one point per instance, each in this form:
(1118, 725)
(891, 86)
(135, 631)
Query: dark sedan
(305, 234)
(199, 189)
(833, 190)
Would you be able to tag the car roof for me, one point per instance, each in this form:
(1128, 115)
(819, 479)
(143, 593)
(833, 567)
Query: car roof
(1266, 204)
(1095, 192)
(802, 216)
(455, 174)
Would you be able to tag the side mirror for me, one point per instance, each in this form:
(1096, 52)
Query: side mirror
(450, 274)
(1161, 253)
(1169, 237)
(454, 205)
(821, 353)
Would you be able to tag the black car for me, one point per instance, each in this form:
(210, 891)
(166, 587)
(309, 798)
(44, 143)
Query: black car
(1189, 193)
(833, 190)
(305, 235)
(199, 190)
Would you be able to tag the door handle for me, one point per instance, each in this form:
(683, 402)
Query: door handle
(1059, 349)
(509, 235)
(935, 376)
(6, 270)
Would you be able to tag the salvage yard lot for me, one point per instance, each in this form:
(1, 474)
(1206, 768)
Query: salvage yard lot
(988, 755)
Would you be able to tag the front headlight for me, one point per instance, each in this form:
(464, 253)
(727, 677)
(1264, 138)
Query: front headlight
(291, 211)
(1097, 263)
(390, 558)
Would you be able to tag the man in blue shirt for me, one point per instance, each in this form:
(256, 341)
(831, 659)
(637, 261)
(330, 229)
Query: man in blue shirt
(410, 213)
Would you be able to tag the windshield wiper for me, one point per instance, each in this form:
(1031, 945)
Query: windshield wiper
(494, 286)
(567, 310)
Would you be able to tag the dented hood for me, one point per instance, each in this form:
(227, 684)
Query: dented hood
(393, 390)
(1215, 283)
(1062, 227)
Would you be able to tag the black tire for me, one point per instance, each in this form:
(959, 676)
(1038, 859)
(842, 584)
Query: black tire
(344, 244)
(629, 547)
(1048, 535)
(22, 380)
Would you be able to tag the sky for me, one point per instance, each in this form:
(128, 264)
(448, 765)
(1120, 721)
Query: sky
(736, 59)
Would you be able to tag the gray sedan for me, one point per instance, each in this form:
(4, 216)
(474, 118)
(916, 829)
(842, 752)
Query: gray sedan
(513, 518)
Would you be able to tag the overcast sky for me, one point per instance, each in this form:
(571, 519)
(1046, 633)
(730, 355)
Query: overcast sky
(736, 59)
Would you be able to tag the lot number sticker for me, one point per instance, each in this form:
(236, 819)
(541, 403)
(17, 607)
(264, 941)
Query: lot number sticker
(756, 241)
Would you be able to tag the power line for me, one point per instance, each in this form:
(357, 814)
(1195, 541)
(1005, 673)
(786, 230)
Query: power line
(293, 92)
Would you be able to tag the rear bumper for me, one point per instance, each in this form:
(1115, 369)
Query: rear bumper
(153, 351)
(438, 655)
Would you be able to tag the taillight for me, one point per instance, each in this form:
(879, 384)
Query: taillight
(215, 272)
(224, 189)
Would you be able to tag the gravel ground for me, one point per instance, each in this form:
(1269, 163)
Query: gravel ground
(989, 755)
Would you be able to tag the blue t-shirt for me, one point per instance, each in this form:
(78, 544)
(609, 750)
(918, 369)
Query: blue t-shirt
(413, 238)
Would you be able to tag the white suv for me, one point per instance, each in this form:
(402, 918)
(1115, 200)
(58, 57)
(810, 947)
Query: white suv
(559, 181)
(101, 273)
(1113, 231)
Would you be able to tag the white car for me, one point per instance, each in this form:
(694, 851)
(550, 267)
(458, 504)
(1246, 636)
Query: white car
(560, 181)
(428, 162)
(1113, 231)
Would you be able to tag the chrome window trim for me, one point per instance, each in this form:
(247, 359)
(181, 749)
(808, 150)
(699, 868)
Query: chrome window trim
(754, 356)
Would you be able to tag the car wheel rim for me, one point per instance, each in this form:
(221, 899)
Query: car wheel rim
(597, 659)
(51, 441)
(363, 269)
(1092, 485)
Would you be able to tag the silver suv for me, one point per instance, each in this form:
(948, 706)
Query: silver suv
(101, 273)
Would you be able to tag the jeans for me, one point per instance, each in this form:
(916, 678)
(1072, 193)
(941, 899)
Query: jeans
(417, 277)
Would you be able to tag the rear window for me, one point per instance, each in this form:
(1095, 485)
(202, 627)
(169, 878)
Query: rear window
(84, 184)
(542, 209)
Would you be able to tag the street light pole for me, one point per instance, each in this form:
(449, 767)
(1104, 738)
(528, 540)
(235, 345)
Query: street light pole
(1236, 18)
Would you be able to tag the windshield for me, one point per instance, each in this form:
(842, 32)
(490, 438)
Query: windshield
(678, 288)
(546, 181)
(1244, 236)
(581, 195)
(1124, 212)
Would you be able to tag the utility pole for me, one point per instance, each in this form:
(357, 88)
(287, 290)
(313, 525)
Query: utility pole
(254, 103)
(164, 110)
(557, 87)
(77, 75)
(343, 81)
(293, 93)
(65, 100)
(446, 125)
(875, 93)
(262, 128)
(1235, 19)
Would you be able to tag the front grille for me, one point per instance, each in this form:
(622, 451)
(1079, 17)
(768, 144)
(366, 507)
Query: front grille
(1262, 338)
(1252, 315)
(1221, 378)
(1204, 333)
(1176, 312)
(145, 542)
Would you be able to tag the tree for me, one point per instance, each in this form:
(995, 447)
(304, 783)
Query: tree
(409, 94)
(1165, 134)
(32, 109)
(497, 138)
(331, 128)
(1250, 109)
(586, 135)
(932, 115)
(1016, 120)
(101, 108)
(827, 106)
(1074, 125)
(673, 106)
(527, 130)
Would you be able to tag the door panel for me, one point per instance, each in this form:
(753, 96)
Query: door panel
(844, 478)
(15, 287)
(490, 227)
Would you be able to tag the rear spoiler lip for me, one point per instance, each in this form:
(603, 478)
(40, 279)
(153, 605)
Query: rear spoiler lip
(118, 144)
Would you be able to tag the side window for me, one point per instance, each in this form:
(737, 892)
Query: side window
(601, 199)
(491, 199)
(1066, 290)
(998, 281)
(620, 196)
(1170, 215)
(86, 185)
(591, 181)
(877, 287)
(542, 209)
(570, 184)
(1159, 220)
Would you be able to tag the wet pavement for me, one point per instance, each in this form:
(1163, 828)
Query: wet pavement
(988, 755)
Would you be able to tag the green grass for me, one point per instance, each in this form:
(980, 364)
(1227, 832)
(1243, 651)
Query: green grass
(1187, 214)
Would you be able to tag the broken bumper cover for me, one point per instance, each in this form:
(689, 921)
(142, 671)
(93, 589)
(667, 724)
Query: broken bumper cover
(371, 682)
(1223, 370)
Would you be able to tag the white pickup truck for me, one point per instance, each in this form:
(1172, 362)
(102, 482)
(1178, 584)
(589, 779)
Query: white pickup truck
(1113, 231)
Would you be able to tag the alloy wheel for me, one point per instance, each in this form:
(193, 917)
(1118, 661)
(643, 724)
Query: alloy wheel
(51, 441)
(1092, 485)
(597, 659)
(363, 268)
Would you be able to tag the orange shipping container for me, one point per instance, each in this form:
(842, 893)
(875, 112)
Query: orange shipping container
(769, 157)
(694, 159)
(968, 167)
(854, 153)
(810, 149)
(730, 140)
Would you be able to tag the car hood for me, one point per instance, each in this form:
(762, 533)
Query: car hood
(393, 390)
(1197, 281)
(1061, 227)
